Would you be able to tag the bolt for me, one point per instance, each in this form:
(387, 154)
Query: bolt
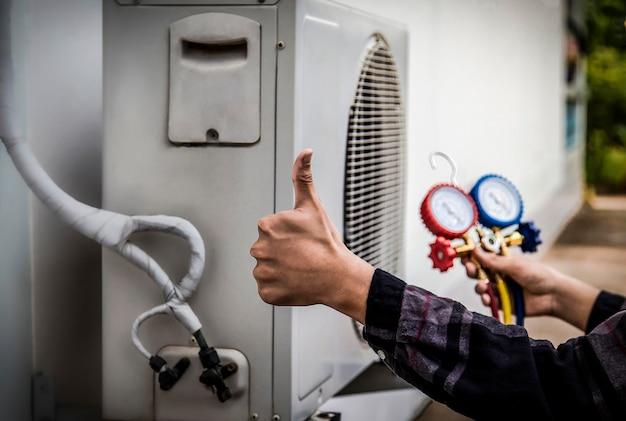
(254, 416)
(280, 45)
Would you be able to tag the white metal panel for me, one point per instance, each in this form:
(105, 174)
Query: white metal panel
(222, 190)
(331, 41)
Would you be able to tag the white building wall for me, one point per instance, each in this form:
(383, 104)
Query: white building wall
(485, 86)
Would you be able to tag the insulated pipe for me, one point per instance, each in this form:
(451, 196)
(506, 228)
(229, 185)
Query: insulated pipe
(109, 229)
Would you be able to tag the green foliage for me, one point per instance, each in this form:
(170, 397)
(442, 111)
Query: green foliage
(606, 73)
(614, 167)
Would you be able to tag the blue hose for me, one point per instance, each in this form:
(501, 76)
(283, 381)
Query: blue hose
(518, 302)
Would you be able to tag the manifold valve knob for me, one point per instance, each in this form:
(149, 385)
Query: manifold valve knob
(532, 237)
(442, 254)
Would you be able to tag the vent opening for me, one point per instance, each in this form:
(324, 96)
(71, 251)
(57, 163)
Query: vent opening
(374, 178)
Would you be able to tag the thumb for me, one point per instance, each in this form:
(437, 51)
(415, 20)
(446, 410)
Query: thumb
(502, 264)
(302, 178)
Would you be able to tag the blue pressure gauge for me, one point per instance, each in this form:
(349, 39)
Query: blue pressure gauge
(498, 201)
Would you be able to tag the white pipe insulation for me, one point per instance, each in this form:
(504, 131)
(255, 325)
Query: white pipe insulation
(109, 229)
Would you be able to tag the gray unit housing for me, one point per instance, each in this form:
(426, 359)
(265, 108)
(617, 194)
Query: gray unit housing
(297, 92)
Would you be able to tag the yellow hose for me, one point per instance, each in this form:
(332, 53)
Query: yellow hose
(505, 300)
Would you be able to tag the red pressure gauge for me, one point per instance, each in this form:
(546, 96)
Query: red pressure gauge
(447, 211)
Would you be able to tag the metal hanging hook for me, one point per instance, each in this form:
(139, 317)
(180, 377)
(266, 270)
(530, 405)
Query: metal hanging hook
(433, 164)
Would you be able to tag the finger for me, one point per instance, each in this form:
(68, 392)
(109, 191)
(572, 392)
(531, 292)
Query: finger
(486, 299)
(262, 272)
(259, 252)
(264, 226)
(471, 269)
(493, 261)
(302, 178)
(481, 287)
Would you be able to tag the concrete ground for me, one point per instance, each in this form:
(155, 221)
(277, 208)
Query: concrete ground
(592, 248)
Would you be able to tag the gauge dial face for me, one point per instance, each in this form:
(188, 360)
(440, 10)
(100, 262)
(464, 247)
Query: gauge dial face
(499, 199)
(452, 209)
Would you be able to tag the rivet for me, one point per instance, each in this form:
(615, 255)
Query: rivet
(280, 45)
(276, 417)
(254, 416)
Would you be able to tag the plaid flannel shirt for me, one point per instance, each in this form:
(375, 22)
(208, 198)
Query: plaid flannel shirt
(487, 370)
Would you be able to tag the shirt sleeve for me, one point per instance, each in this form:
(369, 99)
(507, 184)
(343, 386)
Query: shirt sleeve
(487, 370)
(605, 306)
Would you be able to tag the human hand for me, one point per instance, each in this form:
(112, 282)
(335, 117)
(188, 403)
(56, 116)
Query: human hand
(301, 259)
(547, 292)
(538, 281)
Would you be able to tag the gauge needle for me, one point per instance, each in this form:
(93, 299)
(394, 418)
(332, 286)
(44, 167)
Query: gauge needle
(498, 202)
(451, 212)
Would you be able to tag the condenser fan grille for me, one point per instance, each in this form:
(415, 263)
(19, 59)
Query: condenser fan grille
(374, 190)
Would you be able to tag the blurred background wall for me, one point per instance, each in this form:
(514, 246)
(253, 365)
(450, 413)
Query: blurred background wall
(486, 85)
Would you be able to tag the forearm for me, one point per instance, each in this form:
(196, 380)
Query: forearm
(573, 300)
(480, 367)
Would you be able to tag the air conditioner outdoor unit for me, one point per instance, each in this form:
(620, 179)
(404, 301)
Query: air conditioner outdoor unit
(206, 105)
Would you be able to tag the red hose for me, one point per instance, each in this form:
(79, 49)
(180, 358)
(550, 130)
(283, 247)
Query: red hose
(493, 304)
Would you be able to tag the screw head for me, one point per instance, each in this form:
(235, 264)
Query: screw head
(212, 134)
(276, 417)
(280, 45)
(254, 416)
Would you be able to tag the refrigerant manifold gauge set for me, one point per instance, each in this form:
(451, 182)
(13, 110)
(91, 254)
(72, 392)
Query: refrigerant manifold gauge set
(488, 216)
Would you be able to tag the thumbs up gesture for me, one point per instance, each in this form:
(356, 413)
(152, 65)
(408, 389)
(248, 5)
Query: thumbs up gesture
(301, 259)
